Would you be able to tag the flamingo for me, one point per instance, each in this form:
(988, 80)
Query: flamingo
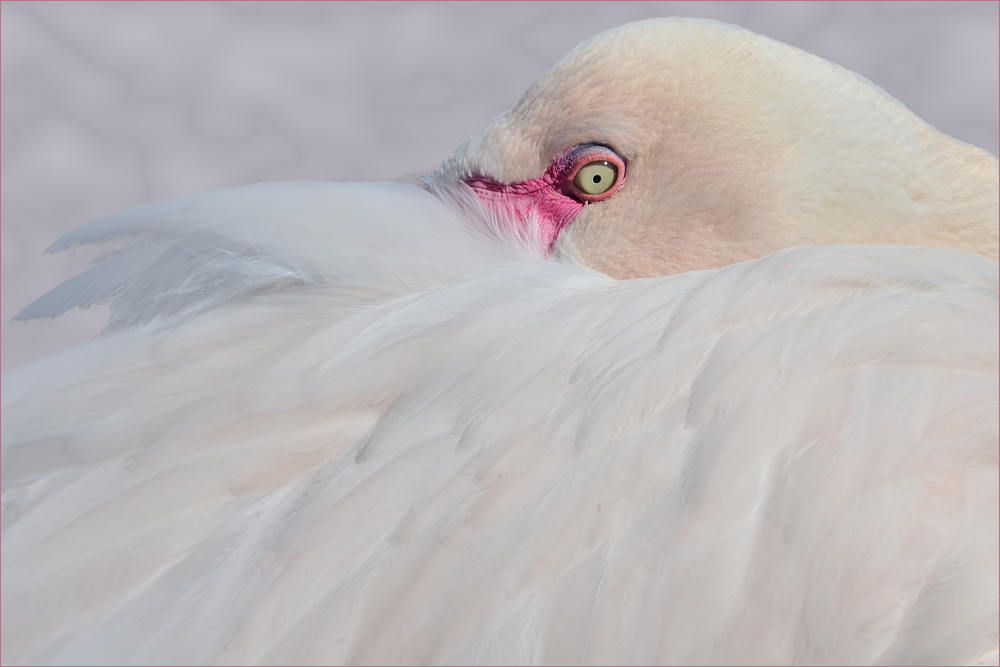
(689, 357)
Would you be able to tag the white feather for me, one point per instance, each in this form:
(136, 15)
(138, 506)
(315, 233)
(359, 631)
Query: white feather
(503, 459)
(191, 253)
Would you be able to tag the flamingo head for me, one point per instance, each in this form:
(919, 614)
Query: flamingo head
(674, 145)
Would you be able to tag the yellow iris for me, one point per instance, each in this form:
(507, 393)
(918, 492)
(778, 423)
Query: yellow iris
(596, 177)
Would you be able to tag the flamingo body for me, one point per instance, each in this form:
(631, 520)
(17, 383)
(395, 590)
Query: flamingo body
(374, 423)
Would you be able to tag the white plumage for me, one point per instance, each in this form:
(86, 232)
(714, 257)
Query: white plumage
(369, 423)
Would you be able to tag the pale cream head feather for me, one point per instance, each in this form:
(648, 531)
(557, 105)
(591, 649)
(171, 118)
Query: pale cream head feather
(736, 146)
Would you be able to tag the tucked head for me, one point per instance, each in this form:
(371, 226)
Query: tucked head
(676, 144)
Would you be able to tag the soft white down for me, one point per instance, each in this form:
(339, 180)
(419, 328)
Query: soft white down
(737, 415)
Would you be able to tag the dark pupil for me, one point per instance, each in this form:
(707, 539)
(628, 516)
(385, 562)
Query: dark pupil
(597, 178)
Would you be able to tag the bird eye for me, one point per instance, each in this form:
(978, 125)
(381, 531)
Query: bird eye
(592, 172)
(596, 178)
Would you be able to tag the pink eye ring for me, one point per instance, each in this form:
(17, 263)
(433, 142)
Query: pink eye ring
(595, 173)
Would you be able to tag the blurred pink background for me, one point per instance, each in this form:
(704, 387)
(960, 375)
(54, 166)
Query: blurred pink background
(110, 105)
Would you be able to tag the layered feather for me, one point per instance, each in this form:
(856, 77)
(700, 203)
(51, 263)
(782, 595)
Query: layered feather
(505, 459)
(189, 254)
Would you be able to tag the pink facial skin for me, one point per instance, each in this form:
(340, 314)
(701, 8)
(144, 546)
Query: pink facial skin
(552, 197)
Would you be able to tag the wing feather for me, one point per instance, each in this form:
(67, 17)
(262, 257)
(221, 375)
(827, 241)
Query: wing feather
(792, 459)
(193, 253)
